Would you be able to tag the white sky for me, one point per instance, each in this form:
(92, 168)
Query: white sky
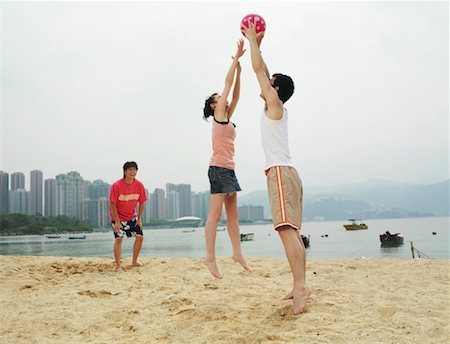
(87, 86)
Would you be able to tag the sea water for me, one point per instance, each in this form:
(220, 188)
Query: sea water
(329, 240)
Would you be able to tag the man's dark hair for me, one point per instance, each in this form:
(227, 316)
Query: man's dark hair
(129, 164)
(285, 86)
(207, 111)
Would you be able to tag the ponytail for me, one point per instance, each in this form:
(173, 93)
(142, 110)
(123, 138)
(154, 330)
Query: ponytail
(207, 110)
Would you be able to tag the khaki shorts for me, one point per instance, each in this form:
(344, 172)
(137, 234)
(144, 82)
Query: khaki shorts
(285, 196)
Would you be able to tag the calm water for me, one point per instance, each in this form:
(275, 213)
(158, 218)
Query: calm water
(176, 243)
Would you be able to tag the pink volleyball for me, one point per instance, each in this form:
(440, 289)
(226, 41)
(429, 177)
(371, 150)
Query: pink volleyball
(253, 18)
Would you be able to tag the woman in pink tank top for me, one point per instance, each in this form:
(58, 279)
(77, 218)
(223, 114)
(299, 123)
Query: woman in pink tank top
(223, 181)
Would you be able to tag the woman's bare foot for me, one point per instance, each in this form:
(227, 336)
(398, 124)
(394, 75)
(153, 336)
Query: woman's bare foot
(241, 260)
(137, 264)
(213, 269)
(119, 268)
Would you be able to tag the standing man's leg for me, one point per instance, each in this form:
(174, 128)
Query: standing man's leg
(295, 253)
(118, 253)
(214, 214)
(233, 229)
(137, 249)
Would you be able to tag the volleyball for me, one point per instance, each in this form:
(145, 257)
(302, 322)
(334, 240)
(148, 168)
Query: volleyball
(253, 18)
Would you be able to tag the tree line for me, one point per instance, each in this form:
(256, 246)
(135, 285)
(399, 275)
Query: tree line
(21, 224)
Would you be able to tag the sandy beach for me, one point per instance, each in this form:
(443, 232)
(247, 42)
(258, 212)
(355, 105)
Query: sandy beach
(81, 300)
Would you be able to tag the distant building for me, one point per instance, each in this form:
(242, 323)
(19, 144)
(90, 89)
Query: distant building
(36, 192)
(50, 197)
(4, 192)
(17, 181)
(71, 190)
(173, 205)
(98, 189)
(188, 221)
(96, 212)
(157, 203)
(19, 201)
(200, 204)
(184, 190)
(251, 213)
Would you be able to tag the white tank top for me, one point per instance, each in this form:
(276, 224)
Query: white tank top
(274, 135)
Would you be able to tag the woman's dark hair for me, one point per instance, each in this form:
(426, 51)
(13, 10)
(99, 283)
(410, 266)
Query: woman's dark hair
(285, 86)
(207, 111)
(127, 165)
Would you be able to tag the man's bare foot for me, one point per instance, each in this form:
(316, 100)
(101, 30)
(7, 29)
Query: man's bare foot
(137, 264)
(241, 260)
(299, 295)
(119, 268)
(213, 269)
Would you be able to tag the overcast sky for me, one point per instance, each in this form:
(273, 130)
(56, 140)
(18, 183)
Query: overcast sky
(87, 86)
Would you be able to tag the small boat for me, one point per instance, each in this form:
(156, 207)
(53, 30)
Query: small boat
(391, 239)
(53, 236)
(221, 229)
(305, 240)
(247, 236)
(77, 237)
(354, 225)
(189, 230)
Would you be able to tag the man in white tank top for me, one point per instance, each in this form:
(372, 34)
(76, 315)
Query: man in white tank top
(283, 183)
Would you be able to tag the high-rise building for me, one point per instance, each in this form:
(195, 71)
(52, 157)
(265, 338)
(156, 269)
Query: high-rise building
(50, 197)
(200, 204)
(184, 190)
(98, 189)
(104, 218)
(182, 207)
(4, 192)
(173, 208)
(17, 181)
(36, 192)
(19, 201)
(158, 204)
(71, 190)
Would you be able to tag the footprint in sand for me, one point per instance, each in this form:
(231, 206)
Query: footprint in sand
(95, 294)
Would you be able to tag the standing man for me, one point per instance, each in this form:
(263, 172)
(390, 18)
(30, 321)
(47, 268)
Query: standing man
(124, 195)
(283, 183)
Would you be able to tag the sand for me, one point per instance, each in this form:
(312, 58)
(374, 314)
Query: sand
(82, 300)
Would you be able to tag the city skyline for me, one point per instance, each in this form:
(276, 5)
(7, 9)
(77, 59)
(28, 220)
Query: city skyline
(371, 97)
(72, 196)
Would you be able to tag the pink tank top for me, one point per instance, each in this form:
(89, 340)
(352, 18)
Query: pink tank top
(223, 136)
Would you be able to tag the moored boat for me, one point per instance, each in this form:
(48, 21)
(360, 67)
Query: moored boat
(77, 237)
(354, 225)
(391, 239)
(247, 236)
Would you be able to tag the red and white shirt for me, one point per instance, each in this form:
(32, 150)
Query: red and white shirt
(126, 196)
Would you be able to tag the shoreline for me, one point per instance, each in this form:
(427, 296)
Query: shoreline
(174, 300)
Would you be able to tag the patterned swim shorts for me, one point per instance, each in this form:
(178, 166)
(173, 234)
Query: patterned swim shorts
(129, 229)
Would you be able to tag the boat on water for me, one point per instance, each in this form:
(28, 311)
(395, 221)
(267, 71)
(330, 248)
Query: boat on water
(354, 225)
(305, 240)
(391, 239)
(53, 236)
(77, 237)
(247, 236)
(189, 230)
(221, 229)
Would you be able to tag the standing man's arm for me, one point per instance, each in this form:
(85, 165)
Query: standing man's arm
(270, 95)
(117, 224)
(140, 212)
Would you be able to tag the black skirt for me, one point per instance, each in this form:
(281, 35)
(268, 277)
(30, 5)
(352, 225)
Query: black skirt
(222, 180)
